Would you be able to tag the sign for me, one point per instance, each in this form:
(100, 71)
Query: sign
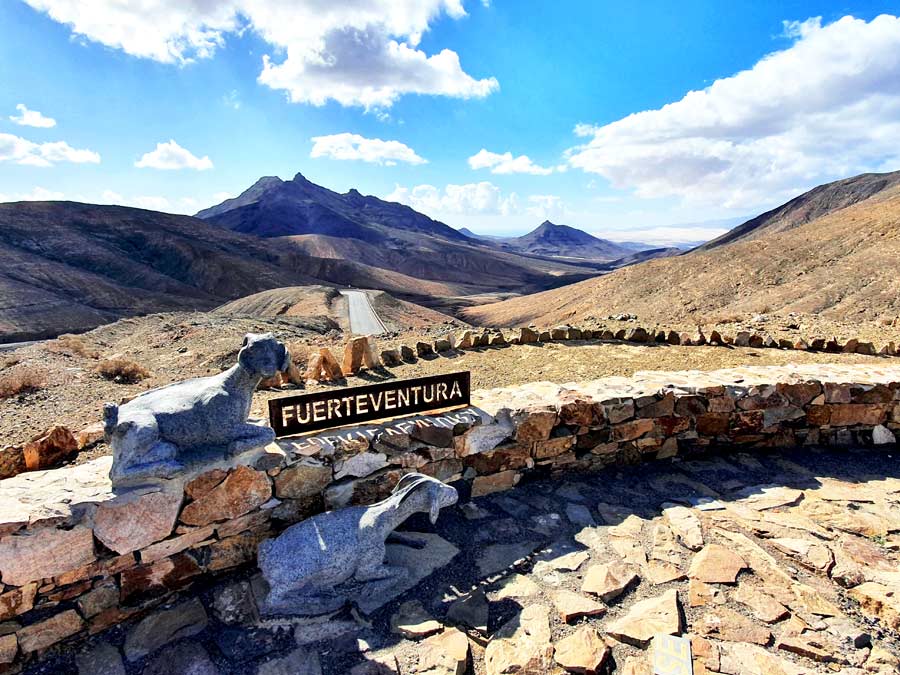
(291, 415)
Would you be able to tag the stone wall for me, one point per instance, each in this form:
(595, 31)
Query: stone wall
(76, 558)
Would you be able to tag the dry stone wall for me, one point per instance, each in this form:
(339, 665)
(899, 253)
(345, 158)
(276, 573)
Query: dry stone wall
(75, 558)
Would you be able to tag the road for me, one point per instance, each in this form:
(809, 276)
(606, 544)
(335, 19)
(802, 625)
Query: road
(363, 319)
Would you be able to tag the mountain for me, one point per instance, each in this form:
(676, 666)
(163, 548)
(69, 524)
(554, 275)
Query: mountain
(550, 239)
(272, 207)
(833, 251)
(68, 267)
(818, 202)
(386, 235)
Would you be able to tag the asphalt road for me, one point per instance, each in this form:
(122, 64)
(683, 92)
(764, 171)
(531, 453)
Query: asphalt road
(363, 319)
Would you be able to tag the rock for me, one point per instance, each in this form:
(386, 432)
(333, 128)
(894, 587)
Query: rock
(879, 602)
(685, 525)
(90, 435)
(361, 465)
(205, 482)
(101, 598)
(155, 434)
(354, 351)
(12, 461)
(470, 610)
(485, 485)
(442, 345)
(102, 659)
(701, 594)
(158, 578)
(17, 601)
(746, 659)
(498, 557)
(45, 552)
(464, 340)
(522, 645)
(646, 618)
(407, 353)
(716, 564)
(608, 581)
(726, 624)
(46, 450)
(184, 658)
(764, 607)
(303, 479)
(882, 661)
(9, 648)
(133, 521)
(572, 605)
(517, 586)
(242, 491)
(235, 604)
(528, 335)
(164, 626)
(48, 632)
(298, 662)
(424, 349)
(412, 621)
(391, 358)
(809, 554)
(881, 435)
(810, 646)
(446, 653)
(584, 651)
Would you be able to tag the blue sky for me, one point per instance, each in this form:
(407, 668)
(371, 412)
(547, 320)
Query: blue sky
(178, 106)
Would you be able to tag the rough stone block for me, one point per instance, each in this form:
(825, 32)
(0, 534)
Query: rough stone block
(48, 632)
(133, 521)
(37, 554)
(164, 626)
(243, 490)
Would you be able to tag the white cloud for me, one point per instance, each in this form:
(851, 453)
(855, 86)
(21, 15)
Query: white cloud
(349, 146)
(172, 156)
(828, 106)
(547, 207)
(22, 151)
(37, 194)
(506, 163)
(359, 53)
(31, 118)
(467, 199)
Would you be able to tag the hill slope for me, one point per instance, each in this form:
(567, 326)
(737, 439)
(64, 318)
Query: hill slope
(842, 265)
(67, 267)
(818, 202)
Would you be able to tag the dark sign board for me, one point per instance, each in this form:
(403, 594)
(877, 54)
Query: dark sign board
(291, 415)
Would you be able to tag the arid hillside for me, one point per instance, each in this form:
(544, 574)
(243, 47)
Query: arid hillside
(842, 265)
(326, 302)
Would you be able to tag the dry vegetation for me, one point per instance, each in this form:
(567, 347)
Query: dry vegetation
(122, 371)
(21, 380)
(73, 345)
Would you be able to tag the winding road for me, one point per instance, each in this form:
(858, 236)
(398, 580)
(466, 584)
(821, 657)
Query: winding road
(363, 319)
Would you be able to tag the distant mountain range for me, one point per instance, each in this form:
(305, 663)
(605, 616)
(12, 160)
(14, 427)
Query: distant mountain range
(563, 241)
(831, 251)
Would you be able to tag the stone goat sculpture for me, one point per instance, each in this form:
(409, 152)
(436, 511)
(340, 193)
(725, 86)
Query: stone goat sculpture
(155, 434)
(319, 564)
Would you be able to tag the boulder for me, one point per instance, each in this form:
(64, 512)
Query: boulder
(90, 435)
(391, 358)
(584, 651)
(354, 350)
(464, 340)
(407, 353)
(164, 626)
(45, 552)
(133, 521)
(242, 491)
(49, 448)
(424, 349)
(527, 335)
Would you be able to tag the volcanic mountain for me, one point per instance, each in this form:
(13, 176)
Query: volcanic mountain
(383, 234)
(834, 251)
(555, 240)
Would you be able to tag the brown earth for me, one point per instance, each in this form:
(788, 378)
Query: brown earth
(841, 266)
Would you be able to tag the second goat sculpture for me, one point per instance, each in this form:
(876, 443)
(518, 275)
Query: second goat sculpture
(317, 565)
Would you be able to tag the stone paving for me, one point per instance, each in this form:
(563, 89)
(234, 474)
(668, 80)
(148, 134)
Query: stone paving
(781, 563)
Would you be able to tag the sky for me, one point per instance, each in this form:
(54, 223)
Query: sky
(665, 124)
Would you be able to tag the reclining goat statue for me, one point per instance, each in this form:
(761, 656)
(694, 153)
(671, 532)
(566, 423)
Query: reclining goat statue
(155, 434)
(320, 564)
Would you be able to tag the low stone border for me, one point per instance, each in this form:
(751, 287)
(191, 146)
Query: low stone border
(76, 558)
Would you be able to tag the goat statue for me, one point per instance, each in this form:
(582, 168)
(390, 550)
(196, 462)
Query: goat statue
(155, 434)
(322, 563)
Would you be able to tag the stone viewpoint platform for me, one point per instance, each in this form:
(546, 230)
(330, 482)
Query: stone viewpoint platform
(76, 558)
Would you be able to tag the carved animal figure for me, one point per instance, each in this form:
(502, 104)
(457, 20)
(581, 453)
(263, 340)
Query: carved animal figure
(307, 563)
(155, 433)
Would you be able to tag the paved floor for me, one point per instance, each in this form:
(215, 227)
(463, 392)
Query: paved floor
(769, 563)
(363, 319)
